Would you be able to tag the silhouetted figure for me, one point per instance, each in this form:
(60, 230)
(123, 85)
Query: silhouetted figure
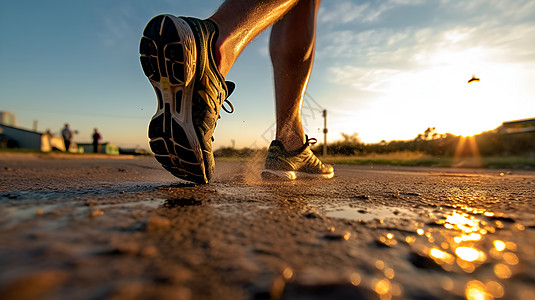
(474, 78)
(96, 139)
(67, 136)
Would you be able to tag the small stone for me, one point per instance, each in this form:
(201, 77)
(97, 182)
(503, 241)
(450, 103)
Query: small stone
(312, 215)
(96, 213)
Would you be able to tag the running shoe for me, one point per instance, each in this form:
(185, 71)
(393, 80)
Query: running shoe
(290, 165)
(177, 57)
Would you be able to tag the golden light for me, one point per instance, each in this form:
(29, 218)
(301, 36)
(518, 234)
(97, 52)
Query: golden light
(469, 254)
(410, 239)
(380, 264)
(467, 153)
(469, 237)
(495, 288)
(355, 279)
(476, 290)
(462, 222)
(382, 287)
(510, 246)
(502, 271)
(441, 74)
(499, 245)
(441, 255)
(287, 273)
(510, 258)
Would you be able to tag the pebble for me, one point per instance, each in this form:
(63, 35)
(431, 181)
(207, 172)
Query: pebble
(96, 213)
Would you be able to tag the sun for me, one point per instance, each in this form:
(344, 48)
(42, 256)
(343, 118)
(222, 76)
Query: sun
(459, 91)
(466, 104)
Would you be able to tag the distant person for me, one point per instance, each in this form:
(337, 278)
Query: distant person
(67, 136)
(96, 139)
(186, 60)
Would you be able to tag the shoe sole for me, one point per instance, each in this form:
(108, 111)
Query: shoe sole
(292, 175)
(168, 57)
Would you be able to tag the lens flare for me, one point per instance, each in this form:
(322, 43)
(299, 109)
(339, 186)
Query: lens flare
(469, 254)
(476, 290)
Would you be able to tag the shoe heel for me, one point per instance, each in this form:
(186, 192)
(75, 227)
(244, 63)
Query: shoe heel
(168, 55)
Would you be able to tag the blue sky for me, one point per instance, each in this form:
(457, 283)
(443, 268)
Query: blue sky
(384, 69)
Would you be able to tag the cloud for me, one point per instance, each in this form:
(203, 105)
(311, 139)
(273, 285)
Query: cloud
(366, 79)
(512, 10)
(368, 57)
(344, 12)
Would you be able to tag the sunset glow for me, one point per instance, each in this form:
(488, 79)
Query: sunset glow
(386, 70)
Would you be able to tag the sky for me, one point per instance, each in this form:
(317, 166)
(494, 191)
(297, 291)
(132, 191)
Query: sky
(384, 69)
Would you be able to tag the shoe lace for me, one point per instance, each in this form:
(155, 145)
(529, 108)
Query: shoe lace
(312, 160)
(231, 110)
(230, 86)
(310, 141)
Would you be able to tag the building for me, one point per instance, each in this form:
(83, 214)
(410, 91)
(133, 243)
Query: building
(106, 148)
(518, 126)
(26, 139)
(7, 118)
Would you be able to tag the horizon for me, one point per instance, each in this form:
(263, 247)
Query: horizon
(320, 140)
(386, 70)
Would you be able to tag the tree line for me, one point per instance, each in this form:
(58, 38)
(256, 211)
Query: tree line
(490, 143)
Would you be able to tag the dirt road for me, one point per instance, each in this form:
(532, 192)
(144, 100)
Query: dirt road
(76, 227)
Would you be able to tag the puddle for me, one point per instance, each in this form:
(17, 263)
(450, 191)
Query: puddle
(233, 210)
(151, 203)
(14, 215)
(473, 253)
(466, 238)
(368, 213)
(491, 248)
(104, 189)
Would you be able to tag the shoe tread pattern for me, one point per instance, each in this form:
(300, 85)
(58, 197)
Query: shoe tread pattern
(162, 56)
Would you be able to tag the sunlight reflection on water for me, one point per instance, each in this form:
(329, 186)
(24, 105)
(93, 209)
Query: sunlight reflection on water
(468, 245)
(459, 239)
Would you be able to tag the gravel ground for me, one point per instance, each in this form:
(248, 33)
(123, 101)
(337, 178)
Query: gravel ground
(94, 227)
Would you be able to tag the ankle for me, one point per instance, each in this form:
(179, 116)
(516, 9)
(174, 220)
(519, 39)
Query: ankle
(220, 57)
(222, 60)
(292, 143)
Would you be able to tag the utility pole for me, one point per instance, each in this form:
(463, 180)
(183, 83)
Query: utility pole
(325, 132)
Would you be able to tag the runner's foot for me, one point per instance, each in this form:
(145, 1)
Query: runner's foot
(290, 165)
(177, 57)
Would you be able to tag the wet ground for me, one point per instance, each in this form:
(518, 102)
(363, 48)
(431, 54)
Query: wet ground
(78, 227)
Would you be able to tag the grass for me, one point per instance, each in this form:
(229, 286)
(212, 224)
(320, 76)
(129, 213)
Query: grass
(402, 158)
(408, 158)
(18, 150)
